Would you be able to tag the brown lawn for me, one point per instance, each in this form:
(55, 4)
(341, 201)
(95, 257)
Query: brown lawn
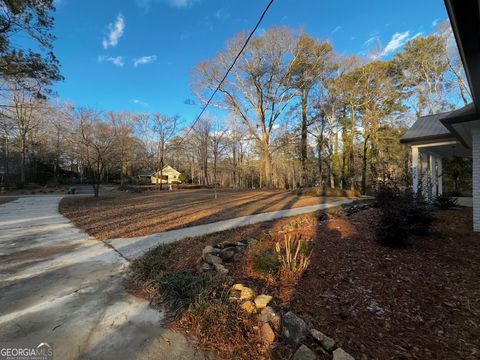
(130, 214)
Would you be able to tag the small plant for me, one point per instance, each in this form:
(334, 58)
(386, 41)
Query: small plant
(265, 263)
(179, 290)
(293, 256)
(445, 202)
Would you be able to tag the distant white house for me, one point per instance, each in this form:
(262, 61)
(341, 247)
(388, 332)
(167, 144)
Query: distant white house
(168, 176)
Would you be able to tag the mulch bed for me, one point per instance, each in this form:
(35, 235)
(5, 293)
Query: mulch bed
(418, 302)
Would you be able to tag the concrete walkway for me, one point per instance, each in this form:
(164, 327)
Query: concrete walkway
(60, 286)
(134, 247)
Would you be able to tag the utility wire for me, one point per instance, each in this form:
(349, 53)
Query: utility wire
(229, 69)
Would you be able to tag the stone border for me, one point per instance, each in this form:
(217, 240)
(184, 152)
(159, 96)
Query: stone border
(293, 328)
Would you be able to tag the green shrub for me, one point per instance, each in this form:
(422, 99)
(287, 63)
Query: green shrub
(392, 228)
(264, 262)
(402, 213)
(179, 290)
(445, 202)
(419, 216)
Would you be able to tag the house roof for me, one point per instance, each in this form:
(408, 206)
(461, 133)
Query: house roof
(427, 128)
(439, 126)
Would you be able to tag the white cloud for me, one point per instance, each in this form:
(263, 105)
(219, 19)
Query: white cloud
(140, 102)
(397, 41)
(118, 61)
(371, 40)
(435, 22)
(144, 60)
(336, 29)
(115, 32)
(182, 3)
(222, 15)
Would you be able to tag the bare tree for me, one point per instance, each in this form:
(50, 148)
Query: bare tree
(164, 128)
(201, 139)
(96, 140)
(24, 109)
(217, 140)
(258, 90)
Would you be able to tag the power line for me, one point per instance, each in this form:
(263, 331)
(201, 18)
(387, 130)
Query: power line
(229, 69)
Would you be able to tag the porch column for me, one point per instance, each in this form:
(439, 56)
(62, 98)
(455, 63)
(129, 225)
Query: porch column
(433, 176)
(425, 177)
(476, 179)
(439, 175)
(415, 169)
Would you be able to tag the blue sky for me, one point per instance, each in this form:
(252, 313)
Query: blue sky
(138, 55)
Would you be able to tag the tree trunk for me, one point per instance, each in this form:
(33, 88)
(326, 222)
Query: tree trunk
(267, 158)
(364, 165)
(22, 161)
(303, 140)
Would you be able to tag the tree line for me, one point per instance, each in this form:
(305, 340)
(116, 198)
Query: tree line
(292, 113)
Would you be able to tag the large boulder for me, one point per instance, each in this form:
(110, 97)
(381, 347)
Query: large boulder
(294, 329)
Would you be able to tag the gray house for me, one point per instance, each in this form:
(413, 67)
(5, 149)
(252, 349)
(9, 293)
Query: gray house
(456, 133)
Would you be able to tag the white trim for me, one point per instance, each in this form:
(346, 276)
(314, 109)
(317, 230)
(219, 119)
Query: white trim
(415, 171)
(442, 143)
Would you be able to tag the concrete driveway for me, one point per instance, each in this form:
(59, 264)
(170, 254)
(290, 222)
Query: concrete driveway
(58, 285)
(62, 287)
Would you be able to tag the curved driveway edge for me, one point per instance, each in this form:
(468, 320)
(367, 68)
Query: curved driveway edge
(132, 248)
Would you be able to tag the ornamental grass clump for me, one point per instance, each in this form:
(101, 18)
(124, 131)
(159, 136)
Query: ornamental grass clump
(294, 257)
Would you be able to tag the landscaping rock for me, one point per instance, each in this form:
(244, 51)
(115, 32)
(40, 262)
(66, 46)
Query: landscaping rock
(238, 287)
(341, 354)
(206, 250)
(326, 342)
(205, 267)
(246, 294)
(261, 301)
(267, 334)
(212, 259)
(294, 329)
(304, 353)
(220, 268)
(237, 257)
(227, 254)
(268, 315)
(248, 307)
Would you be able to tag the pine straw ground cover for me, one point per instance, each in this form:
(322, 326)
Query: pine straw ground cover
(417, 302)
